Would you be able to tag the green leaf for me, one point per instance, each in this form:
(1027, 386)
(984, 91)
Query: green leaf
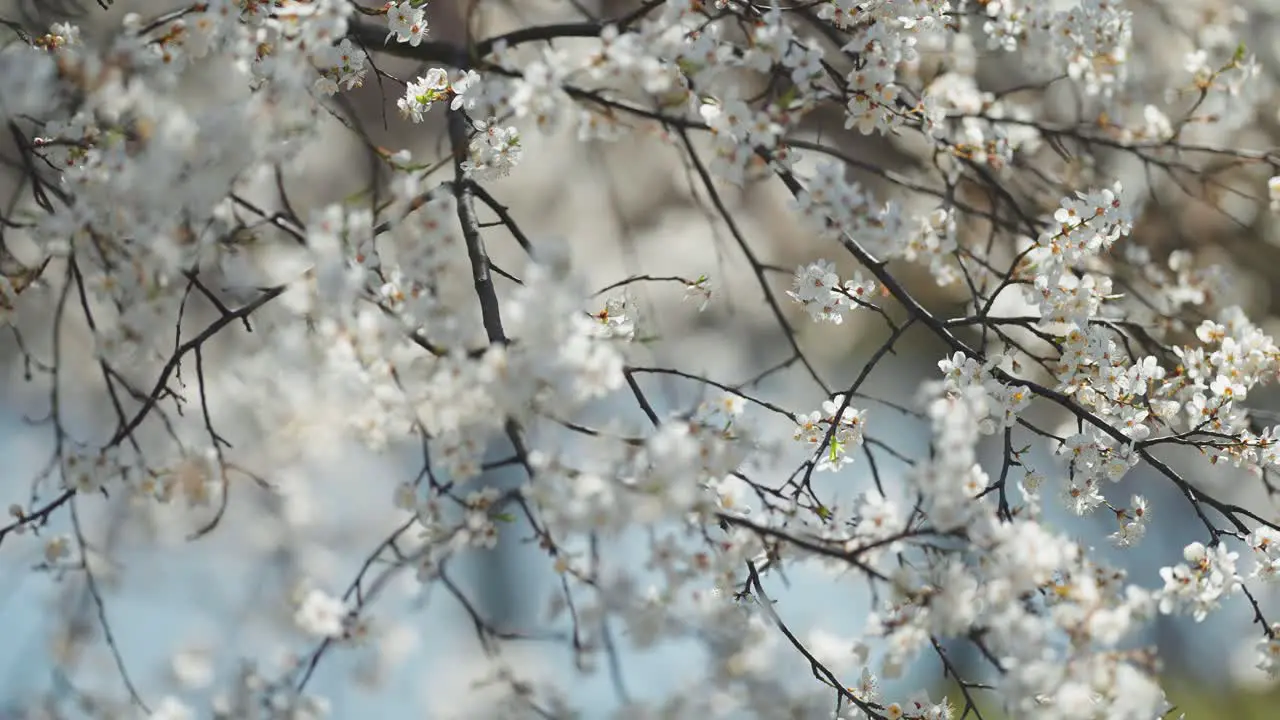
(788, 97)
(356, 197)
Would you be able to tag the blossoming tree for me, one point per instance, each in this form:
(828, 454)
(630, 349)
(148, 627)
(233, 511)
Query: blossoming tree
(154, 222)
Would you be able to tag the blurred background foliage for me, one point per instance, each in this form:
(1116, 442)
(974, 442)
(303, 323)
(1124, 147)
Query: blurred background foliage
(1193, 699)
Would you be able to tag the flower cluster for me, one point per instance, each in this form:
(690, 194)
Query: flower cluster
(407, 21)
(340, 66)
(1199, 584)
(422, 93)
(825, 298)
(834, 432)
(493, 152)
(960, 373)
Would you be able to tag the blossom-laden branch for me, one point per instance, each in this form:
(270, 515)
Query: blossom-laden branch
(1083, 339)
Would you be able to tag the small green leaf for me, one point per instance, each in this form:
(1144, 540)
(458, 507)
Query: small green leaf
(505, 517)
(788, 97)
(356, 197)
